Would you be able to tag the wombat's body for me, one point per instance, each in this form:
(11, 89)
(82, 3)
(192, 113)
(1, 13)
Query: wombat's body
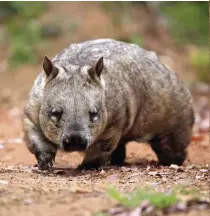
(127, 95)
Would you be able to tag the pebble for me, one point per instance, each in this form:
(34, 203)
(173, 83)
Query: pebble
(203, 170)
(3, 182)
(1, 146)
(112, 178)
(174, 166)
(102, 171)
(27, 201)
(15, 140)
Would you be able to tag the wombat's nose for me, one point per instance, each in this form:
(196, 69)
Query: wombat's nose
(75, 142)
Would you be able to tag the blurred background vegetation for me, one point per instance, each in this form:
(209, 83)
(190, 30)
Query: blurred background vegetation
(178, 31)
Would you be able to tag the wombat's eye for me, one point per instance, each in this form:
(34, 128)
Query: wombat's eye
(93, 115)
(56, 114)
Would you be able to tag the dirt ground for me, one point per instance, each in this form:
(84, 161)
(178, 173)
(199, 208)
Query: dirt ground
(24, 190)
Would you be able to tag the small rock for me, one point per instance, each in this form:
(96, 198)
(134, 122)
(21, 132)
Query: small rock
(146, 207)
(112, 178)
(15, 141)
(102, 171)
(27, 169)
(177, 177)
(3, 182)
(135, 212)
(203, 170)
(183, 182)
(191, 166)
(133, 180)
(1, 146)
(181, 206)
(134, 168)
(133, 175)
(35, 169)
(174, 166)
(126, 169)
(198, 177)
(154, 184)
(14, 112)
(148, 168)
(164, 180)
(152, 173)
(11, 167)
(28, 201)
(116, 210)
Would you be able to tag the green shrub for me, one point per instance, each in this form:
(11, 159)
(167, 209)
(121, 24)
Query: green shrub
(188, 21)
(23, 32)
(133, 38)
(158, 199)
(200, 60)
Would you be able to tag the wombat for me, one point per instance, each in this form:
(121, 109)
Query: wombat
(97, 95)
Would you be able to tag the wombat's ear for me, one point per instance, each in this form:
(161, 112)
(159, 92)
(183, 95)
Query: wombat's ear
(49, 68)
(99, 66)
(96, 70)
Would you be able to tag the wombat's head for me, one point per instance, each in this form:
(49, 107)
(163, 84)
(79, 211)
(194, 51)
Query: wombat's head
(73, 113)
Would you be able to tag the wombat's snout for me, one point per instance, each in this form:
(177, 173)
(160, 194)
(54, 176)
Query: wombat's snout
(74, 142)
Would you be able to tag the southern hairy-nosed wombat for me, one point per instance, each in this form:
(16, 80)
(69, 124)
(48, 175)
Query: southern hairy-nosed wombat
(97, 95)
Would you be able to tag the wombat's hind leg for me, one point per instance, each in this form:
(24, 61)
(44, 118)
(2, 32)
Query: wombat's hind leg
(171, 149)
(119, 154)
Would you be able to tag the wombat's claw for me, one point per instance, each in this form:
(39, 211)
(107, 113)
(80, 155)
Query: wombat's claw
(45, 161)
(88, 167)
(50, 164)
(43, 166)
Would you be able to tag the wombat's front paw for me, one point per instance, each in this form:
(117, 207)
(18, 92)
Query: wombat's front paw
(45, 160)
(87, 166)
(93, 165)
